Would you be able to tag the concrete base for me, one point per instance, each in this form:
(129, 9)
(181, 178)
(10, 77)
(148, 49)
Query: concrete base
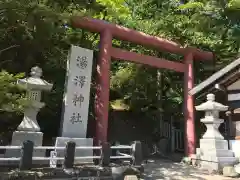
(237, 168)
(229, 171)
(213, 144)
(19, 137)
(214, 154)
(217, 163)
(62, 141)
(235, 146)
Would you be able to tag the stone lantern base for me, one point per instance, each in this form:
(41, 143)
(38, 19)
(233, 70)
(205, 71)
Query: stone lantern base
(19, 137)
(214, 154)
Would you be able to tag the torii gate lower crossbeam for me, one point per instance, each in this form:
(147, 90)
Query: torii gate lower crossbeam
(107, 33)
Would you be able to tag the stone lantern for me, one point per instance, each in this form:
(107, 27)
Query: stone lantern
(34, 86)
(213, 151)
(211, 119)
(29, 128)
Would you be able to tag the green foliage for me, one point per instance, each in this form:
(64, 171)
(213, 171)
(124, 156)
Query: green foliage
(192, 5)
(234, 4)
(115, 9)
(208, 25)
(12, 96)
(37, 33)
(128, 81)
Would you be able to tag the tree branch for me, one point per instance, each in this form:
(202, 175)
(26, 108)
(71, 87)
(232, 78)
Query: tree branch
(10, 47)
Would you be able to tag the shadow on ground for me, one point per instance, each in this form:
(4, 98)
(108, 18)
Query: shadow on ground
(164, 169)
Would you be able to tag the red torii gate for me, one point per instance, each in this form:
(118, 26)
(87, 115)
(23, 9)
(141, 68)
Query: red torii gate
(109, 31)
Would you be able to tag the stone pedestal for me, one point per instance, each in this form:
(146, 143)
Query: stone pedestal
(17, 140)
(19, 137)
(62, 141)
(213, 151)
(214, 154)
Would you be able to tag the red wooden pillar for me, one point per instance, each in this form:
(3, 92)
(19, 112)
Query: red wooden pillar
(190, 139)
(103, 84)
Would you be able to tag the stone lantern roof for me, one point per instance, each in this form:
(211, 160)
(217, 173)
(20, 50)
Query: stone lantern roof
(35, 81)
(211, 105)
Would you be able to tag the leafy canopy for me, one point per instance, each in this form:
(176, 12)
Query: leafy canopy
(12, 96)
(37, 33)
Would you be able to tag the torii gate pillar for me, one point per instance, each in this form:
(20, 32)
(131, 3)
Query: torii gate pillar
(190, 136)
(103, 85)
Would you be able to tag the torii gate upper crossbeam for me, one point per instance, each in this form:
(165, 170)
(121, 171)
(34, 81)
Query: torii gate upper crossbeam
(123, 33)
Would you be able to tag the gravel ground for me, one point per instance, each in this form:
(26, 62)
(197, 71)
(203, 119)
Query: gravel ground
(163, 169)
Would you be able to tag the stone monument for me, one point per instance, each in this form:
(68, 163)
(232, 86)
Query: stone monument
(76, 102)
(213, 151)
(29, 128)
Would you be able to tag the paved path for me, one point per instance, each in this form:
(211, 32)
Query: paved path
(163, 169)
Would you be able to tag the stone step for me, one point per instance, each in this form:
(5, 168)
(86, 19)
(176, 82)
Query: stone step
(217, 163)
(208, 144)
(231, 160)
(220, 153)
(227, 160)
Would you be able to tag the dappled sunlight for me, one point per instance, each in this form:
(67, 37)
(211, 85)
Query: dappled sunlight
(163, 169)
(119, 105)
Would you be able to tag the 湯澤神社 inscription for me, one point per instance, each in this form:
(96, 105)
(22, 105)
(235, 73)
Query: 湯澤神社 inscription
(77, 92)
